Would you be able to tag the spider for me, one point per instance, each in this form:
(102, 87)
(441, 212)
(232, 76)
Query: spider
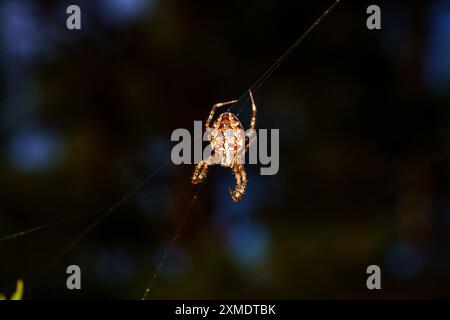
(228, 144)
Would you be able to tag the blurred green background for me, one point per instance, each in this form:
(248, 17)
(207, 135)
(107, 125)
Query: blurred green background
(364, 125)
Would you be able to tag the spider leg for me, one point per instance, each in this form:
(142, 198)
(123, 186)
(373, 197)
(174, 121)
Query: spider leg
(213, 110)
(241, 182)
(249, 139)
(253, 120)
(201, 170)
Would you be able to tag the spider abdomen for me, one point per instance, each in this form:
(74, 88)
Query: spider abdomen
(228, 140)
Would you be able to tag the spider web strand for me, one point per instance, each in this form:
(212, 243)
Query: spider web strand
(258, 83)
(170, 246)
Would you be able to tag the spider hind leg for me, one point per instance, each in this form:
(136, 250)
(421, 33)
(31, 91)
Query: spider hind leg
(241, 182)
(201, 170)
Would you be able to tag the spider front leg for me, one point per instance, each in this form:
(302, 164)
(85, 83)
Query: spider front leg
(213, 110)
(241, 182)
(251, 138)
(200, 171)
(253, 120)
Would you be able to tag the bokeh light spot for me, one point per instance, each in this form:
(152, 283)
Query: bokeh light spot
(437, 60)
(34, 150)
(124, 11)
(404, 260)
(248, 244)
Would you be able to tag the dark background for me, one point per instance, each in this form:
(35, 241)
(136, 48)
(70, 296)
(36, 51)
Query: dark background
(364, 149)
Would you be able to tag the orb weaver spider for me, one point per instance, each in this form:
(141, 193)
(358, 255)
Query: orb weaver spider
(229, 144)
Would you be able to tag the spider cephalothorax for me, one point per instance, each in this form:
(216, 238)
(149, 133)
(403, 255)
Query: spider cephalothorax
(228, 144)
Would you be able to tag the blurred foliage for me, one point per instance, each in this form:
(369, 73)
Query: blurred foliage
(18, 294)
